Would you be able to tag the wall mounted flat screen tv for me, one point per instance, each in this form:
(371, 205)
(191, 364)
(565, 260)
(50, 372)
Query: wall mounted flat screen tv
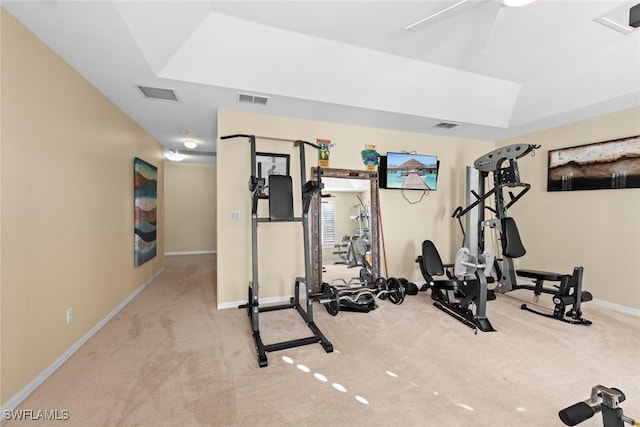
(408, 171)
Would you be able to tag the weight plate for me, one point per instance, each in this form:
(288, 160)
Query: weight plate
(380, 284)
(396, 291)
(463, 259)
(365, 277)
(362, 245)
(382, 288)
(333, 306)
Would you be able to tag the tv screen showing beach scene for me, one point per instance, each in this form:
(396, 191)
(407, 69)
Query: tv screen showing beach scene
(411, 171)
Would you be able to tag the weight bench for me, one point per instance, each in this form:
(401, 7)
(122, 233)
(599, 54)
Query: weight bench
(563, 296)
(568, 293)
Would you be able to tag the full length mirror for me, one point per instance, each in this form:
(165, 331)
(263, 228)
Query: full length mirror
(345, 236)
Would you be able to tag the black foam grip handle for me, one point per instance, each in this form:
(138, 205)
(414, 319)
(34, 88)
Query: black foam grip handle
(575, 414)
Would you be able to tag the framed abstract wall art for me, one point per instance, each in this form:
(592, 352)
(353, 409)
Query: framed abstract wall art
(145, 188)
(602, 165)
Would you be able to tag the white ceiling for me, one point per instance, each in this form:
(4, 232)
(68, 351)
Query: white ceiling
(499, 72)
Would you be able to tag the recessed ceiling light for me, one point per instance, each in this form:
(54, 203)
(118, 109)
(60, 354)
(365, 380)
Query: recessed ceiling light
(190, 143)
(516, 3)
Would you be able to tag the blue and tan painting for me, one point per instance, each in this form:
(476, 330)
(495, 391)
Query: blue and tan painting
(145, 180)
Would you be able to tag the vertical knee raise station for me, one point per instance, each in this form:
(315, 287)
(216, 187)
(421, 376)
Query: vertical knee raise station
(281, 210)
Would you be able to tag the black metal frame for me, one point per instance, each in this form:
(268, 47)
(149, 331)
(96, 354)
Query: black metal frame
(452, 295)
(603, 399)
(309, 190)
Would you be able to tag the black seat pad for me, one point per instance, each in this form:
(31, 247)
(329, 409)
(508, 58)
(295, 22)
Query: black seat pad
(537, 274)
(452, 285)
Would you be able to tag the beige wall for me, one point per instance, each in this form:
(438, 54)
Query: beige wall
(67, 206)
(280, 254)
(598, 229)
(190, 207)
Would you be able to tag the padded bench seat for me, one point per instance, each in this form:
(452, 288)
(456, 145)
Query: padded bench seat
(449, 285)
(540, 275)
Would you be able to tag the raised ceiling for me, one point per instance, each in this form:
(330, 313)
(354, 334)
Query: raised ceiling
(498, 72)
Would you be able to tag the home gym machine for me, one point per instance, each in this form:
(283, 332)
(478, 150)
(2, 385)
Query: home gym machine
(463, 295)
(503, 166)
(603, 399)
(280, 199)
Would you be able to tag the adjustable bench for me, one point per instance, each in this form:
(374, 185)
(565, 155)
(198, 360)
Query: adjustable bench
(562, 293)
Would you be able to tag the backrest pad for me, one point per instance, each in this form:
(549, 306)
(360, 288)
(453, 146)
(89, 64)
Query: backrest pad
(280, 198)
(431, 261)
(511, 244)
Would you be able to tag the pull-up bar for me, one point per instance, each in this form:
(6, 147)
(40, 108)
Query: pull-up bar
(272, 138)
(296, 142)
(281, 209)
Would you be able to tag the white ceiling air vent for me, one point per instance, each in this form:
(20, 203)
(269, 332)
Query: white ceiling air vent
(446, 125)
(202, 153)
(158, 93)
(253, 99)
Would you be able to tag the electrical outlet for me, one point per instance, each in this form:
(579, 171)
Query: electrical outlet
(69, 315)
(235, 215)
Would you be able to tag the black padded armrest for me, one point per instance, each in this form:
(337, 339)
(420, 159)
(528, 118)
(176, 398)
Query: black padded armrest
(544, 275)
(310, 188)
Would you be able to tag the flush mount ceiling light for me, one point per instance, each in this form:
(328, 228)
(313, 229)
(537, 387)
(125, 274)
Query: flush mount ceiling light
(174, 156)
(190, 143)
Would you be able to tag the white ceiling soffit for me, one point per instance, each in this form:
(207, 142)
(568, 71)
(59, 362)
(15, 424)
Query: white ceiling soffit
(499, 72)
(589, 88)
(161, 27)
(302, 60)
(267, 59)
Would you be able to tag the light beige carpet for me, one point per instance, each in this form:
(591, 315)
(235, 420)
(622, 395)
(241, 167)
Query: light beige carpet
(171, 359)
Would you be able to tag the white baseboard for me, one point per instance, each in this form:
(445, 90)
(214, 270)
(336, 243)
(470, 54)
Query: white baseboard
(616, 307)
(12, 403)
(263, 301)
(190, 253)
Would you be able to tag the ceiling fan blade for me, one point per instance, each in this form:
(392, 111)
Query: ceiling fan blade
(487, 35)
(416, 25)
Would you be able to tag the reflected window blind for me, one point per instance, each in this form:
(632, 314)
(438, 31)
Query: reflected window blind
(328, 224)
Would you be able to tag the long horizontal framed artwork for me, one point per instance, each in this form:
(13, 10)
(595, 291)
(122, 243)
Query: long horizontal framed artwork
(598, 166)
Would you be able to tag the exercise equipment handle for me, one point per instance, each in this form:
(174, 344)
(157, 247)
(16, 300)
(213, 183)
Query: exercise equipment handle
(576, 413)
(238, 135)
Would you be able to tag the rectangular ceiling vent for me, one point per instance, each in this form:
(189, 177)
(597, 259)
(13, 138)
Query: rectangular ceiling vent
(158, 93)
(253, 99)
(446, 125)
